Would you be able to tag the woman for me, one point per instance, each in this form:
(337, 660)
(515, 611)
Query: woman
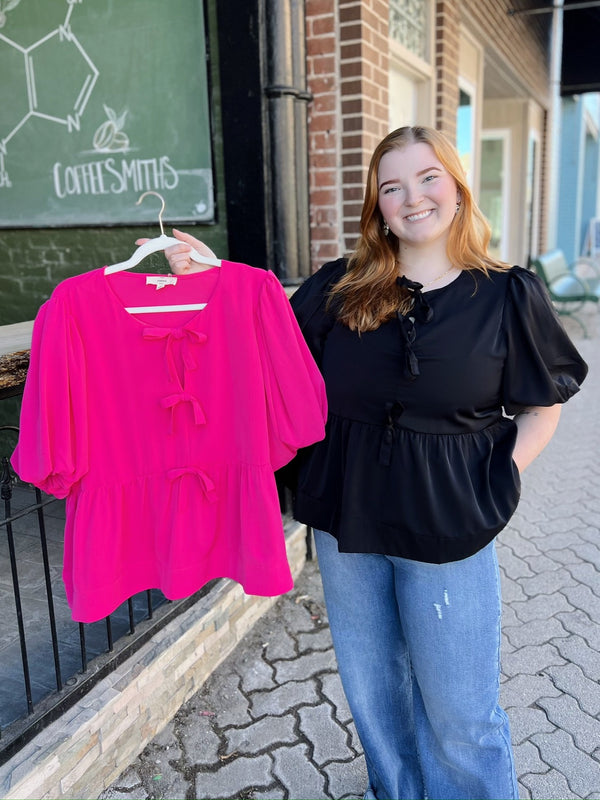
(445, 371)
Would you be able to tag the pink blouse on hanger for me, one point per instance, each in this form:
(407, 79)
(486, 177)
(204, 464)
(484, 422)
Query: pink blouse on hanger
(163, 430)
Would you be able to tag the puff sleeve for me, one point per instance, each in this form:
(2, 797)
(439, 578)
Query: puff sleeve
(543, 367)
(309, 303)
(52, 451)
(294, 389)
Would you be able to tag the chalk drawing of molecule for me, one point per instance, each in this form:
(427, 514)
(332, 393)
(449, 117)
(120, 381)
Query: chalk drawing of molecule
(57, 59)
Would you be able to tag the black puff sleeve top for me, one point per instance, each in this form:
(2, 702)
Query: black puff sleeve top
(417, 457)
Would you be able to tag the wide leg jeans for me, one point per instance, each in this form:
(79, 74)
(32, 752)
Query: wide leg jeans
(418, 651)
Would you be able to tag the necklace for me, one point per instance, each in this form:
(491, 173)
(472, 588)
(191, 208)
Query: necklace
(439, 277)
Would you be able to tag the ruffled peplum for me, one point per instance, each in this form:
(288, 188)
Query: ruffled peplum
(432, 497)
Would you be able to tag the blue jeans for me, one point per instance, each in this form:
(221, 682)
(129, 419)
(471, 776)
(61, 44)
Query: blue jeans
(418, 651)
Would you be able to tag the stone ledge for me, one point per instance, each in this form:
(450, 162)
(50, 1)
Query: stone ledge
(15, 344)
(83, 752)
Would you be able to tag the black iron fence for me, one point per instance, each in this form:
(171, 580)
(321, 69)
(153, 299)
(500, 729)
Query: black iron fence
(48, 661)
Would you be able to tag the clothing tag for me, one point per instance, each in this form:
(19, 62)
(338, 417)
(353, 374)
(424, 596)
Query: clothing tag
(160, 281)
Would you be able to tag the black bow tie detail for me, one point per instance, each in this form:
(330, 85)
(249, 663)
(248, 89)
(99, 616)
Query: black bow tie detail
(420, 312)
(393, 413)
(421, 309)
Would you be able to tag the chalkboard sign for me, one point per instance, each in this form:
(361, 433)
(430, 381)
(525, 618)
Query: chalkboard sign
(101, 100)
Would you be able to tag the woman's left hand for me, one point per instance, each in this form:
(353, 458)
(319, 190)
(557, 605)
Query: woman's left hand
(178, 255)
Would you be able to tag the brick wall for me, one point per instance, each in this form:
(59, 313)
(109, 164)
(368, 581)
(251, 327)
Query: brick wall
(364, 68)
(347, 73)
(324, 130)
(446, 65)
(348, 66)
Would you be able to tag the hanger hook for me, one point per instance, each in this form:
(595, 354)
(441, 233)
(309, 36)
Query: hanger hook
(160, 213)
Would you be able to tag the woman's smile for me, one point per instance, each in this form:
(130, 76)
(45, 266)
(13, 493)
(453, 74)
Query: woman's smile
(419, 215)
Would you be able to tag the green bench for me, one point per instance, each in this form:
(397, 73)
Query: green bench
(570, 285)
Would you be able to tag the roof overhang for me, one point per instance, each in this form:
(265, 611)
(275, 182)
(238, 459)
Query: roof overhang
(580, 56)
(580, 71)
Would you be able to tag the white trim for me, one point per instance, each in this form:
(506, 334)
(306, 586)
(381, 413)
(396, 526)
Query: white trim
(533, 246)
(504, 135)
(470, 89)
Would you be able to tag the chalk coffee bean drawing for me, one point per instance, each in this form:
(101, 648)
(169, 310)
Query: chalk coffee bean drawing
(109, 137)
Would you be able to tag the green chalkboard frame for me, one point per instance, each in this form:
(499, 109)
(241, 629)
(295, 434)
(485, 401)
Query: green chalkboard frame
(102, 100)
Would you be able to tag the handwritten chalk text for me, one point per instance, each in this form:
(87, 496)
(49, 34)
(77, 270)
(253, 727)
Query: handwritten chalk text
(111, 176)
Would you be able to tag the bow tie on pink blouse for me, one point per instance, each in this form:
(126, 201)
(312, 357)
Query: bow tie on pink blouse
(175, 399)
(187, 335)
(207, 484)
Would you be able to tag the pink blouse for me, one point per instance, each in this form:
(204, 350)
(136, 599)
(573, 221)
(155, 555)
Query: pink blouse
(163, 430)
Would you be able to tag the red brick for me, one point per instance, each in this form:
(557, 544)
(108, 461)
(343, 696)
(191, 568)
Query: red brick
(352, 106)
(355, 193)
(318, 7)
(323, 122)
(322, 141)
(349, 11)
(326, 216)
(350, 69)
(322, 64)
(351, 155)
(325, 177)
(352, 50)
(353, 123)
(324, 197)
(323, 25)
(351, 87)
(320, 45)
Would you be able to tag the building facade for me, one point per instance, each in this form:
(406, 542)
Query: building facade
(280, 103)
(376, 65)
(293, 98)
(577, 229)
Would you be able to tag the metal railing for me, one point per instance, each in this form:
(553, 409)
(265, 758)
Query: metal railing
(48, 661)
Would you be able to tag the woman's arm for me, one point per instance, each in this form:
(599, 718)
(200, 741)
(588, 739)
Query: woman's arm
(535, 428)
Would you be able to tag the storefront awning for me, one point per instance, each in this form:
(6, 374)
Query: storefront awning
(581, 48)
(580, 68)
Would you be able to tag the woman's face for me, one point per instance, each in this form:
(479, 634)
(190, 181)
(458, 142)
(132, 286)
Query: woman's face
(417, 196)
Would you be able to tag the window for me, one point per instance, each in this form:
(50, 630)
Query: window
(411, 72)
(493, 200)
(465, 128)
(408, 26)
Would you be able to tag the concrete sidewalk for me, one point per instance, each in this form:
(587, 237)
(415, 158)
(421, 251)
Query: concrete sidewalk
(272, 721)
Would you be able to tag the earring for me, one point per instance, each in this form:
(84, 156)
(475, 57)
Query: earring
(457, 208)
(386, 228)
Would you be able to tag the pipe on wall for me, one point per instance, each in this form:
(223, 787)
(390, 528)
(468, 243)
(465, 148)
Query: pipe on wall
(287, 103)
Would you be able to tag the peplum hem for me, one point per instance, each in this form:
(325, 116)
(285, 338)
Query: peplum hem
(175, 531)
(441, 497)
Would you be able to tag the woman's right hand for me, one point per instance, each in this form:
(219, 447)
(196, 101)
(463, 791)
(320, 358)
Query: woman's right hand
(178, 255)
